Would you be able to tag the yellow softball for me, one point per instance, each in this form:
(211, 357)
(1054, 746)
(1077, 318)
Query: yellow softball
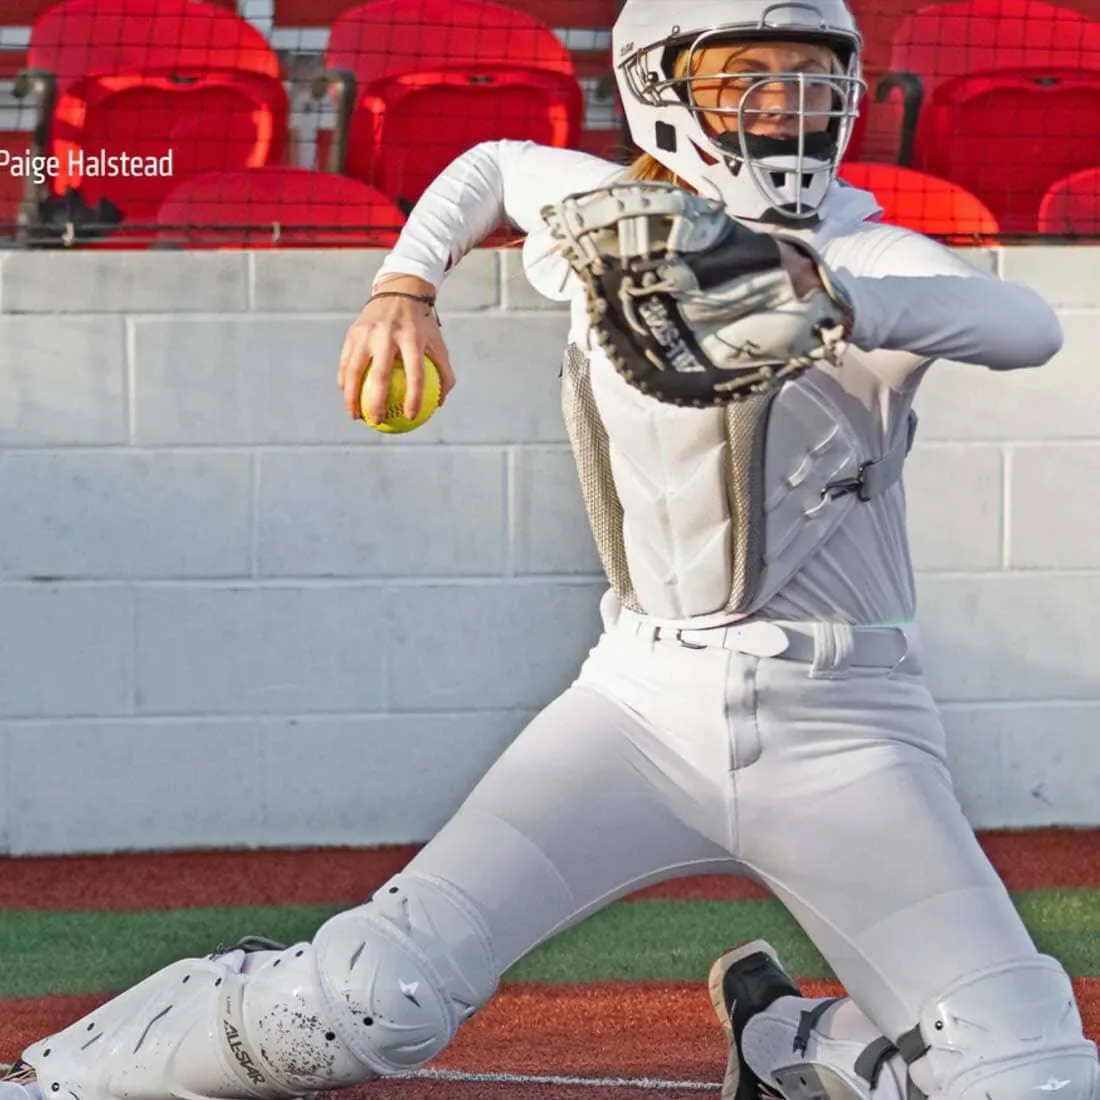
(395, 420)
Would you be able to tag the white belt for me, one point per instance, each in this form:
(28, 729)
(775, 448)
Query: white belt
(833, 645)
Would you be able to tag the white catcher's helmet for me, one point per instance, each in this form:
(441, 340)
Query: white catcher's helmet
(755, 177)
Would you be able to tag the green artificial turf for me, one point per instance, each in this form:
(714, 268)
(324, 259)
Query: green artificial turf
(64, 952)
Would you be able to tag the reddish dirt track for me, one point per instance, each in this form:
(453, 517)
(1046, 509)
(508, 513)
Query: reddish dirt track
(654, 1030)
(1037, 859)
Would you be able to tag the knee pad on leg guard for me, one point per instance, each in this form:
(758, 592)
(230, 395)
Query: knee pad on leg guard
(382, 988)
(1005, 1033)
(402, 972)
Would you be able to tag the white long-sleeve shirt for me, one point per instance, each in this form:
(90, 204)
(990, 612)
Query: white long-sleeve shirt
(914, 301)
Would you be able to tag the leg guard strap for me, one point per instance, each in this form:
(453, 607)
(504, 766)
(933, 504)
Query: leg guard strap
(875, 1055)
(872, 1058)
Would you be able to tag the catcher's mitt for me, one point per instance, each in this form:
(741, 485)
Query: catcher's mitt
(689, 305)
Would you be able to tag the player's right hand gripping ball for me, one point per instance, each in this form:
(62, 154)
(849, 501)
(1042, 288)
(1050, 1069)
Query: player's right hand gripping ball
(395, 421)
(689, 305)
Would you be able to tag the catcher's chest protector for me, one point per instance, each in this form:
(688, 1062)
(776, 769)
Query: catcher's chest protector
(699, 512)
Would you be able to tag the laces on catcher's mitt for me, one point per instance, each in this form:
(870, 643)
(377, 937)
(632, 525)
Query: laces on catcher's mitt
(689, 305)
(18, 1073)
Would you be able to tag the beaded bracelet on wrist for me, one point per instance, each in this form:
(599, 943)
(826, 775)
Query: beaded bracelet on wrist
(427, 299)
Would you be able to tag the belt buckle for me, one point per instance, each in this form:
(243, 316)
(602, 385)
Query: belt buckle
(761, 639)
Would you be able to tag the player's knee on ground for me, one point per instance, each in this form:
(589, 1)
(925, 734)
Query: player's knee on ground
(1005, 1033)
(381, 989)
(1000, 1034)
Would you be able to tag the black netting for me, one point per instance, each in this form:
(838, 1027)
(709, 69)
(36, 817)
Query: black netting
(184, 124)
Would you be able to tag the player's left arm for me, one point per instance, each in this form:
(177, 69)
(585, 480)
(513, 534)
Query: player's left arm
(912, 294)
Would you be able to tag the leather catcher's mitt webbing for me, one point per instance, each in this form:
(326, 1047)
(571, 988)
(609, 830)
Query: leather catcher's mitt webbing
(689, 305)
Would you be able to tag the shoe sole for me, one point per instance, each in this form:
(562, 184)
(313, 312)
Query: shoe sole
(732, 1081)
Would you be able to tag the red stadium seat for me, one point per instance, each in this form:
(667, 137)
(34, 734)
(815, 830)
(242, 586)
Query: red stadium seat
(585, 26)
(1072, 205)
(149, 78)
(923, 203)
(20, 14)
(276, 207)
(14, 13)
(1001, 97)
(432, 78)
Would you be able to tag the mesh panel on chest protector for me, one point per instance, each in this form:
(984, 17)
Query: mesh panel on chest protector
(588, 437)
(745, 424)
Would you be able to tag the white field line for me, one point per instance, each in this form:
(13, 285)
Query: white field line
(533, 1079)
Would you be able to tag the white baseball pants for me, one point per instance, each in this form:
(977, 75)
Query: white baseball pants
(821, 778)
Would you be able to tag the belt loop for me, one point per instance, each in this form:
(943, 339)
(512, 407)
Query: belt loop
(834, 644)
(909, 661)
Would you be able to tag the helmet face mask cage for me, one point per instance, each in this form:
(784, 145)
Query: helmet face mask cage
(791, 173)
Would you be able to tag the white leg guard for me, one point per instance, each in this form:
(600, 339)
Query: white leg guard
(817, 1060)
(381, 989)
(1006, 1033)
(1002, 1034)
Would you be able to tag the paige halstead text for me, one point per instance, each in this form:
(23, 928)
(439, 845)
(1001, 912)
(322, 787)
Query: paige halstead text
(79, 163)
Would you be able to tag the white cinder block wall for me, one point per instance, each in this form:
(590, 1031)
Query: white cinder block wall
(231, 617)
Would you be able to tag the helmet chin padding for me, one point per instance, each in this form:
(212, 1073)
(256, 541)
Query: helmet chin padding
(778, 159)
(820, 145)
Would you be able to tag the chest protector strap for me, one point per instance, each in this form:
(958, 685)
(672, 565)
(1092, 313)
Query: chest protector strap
(874, 478)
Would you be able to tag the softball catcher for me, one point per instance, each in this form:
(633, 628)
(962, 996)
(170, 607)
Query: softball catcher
(743, 354)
